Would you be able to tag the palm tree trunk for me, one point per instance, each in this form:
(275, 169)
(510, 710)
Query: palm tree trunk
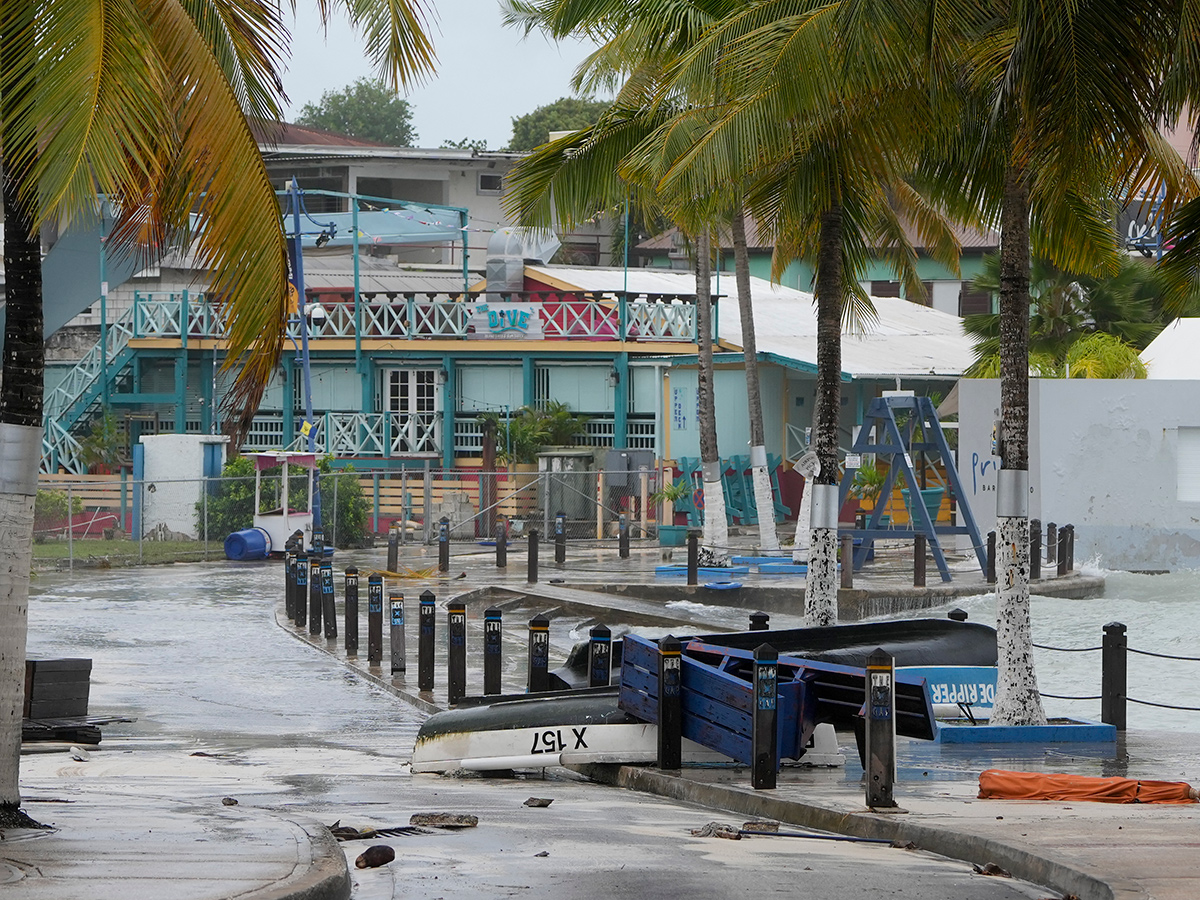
(1018, 701)
(764, 497)
(820, 593)
(20, 453)
(716, 529)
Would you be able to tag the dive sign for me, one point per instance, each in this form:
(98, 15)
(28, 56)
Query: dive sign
(506, 322)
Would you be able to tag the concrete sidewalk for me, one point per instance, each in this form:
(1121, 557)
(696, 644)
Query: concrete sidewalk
(104, 845)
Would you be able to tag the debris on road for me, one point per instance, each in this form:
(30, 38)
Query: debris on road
(444, 820)
(228, 801)
(716, 829)
(991, 869)
(373, 857)
(538, 802)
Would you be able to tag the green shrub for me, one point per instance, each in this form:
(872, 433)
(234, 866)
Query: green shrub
(50, 508)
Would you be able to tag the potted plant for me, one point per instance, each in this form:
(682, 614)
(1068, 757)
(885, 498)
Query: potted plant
(103, 448)
(868, 484)
(670, 534)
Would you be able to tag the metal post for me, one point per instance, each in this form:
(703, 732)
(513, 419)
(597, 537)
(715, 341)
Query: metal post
(396, 611)
(991, 557)
(670, 704)
(70, 529)
(501, 545)
(328, 605)
(289, 585)
(643, 500)
(427, 501)
(1035, 549)
(351, 610)
(764, 747)
(1051, 542)
(759, 621)
(1113, 673)
(539, 654)
(532, 576)
(599, 656)
(393, 553)
(456, 657)
(623, 536)
(847, 561)
(919, 560)
(1064, 537)
(693, 558)
(560, 538)
(314, 591)
(880, 730)
(301, 607)
(426, 632)
(375, 620)
(492, 632)
(1070, 548)
(444, 545)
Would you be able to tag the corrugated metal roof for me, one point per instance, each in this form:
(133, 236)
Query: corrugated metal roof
(908, 339)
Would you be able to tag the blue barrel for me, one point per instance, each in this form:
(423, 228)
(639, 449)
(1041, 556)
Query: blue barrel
(249, 543)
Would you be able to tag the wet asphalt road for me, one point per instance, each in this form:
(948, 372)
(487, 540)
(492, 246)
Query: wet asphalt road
(193, 652)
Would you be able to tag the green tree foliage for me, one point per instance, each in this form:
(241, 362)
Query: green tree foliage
(465, 144)
(50, 508)
(565, 114)
(350, 512)
(365, 109)
(520, 437)
(230, 501)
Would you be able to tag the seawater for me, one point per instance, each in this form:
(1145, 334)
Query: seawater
(1160, 613)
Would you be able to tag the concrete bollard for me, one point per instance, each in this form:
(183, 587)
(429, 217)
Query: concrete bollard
(880, 730)
(599, 656)
(351, 602)
(375, 620)
(847, 561)
(1113, 675)
(1064, 538)
(396, 615)
(444, 545)
(539, 654)
(957, 615)
(456, 657)
(501, 545)
(314, 594)
(764, 741)
(532, 575)
(1070, 548)
(759, 621)
(301, 605)
(393, 548)
(919, 560)
(1051, 543)
(670, 704)
(328, 603)
(426, 632)
(493, 628)
(693, 557)
(623, 536)
(1035, 549)
(560, 538)
(991, 557)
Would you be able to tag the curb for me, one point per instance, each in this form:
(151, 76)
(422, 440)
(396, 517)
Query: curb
(1022, 862)
(325, 878)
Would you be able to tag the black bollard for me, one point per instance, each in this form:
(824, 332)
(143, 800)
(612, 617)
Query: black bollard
(623, 536)
(393, 556)
(1051, 543)
(492, 633)
(456, 656)
(764, 747)
(289, 584)
(759, 621)
(880, 730)
(670, 704)
(328, 603)
(351, 611)
(1064, 538)
(693, 560)
(426, 632)
(560, 538)
(847, 561)
(444, 545)
(1070, 548)
(919, 560)
(314, 594)
(599, 656)
(375, 620)
(539, 654)
(991, 558)
(958, 615)
(1035, 549)
(532, 575)
(318, 542)
(396, 613)
(501, 545)
(301, 603)
(1113, 685)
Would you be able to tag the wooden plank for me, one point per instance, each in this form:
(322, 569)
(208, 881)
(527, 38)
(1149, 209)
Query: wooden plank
(643, 706)
(57, 709)
(725, 717)
(639, 680)
(66, 690)
(707, 735)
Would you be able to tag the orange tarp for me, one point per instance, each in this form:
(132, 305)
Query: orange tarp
(997, 784)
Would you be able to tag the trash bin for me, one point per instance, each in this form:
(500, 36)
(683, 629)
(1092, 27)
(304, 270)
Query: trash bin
(249, 543)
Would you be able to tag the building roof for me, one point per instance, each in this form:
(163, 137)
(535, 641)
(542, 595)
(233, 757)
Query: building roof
(908, 340)
(336, 272)
(1172, 355)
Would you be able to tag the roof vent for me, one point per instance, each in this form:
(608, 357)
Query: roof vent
(510, 249)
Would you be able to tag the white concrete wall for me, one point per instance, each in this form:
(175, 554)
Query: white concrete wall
(1103, 457)
(174, 467)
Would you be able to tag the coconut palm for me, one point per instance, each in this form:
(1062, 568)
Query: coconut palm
(147, 104)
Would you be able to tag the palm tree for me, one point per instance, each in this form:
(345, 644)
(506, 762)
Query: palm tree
(147, 104)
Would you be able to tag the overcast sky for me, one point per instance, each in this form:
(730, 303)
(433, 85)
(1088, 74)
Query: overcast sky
(487, 74)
